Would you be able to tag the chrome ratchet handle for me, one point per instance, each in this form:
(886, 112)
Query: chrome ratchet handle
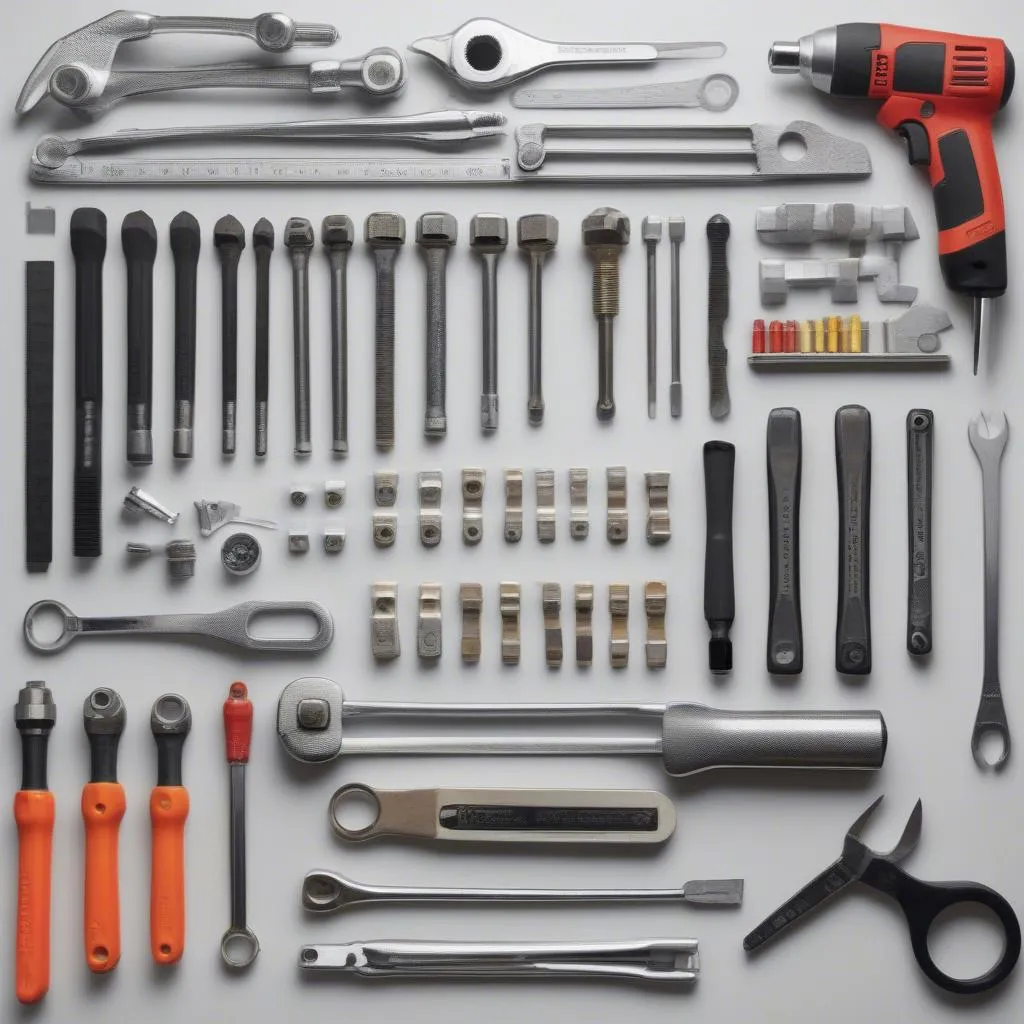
(273, 32)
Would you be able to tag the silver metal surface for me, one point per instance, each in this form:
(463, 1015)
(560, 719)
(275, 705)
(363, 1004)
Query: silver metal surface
(659, 525)
(655, 607)
(988, 435)
(551, 608)
(806, 223)
(384, 639)
(852, 361)
(231, 626)
(617, 519)
(88, 53)
(240, 554)
(544, 485)
(40, 220)
(513, 505)
(618, 633)
(488, 54)
(842, 274)
(661, 960)
(537, 235)
(650, 231)
(471, 603)
(239, 946)
(583, 604)
(579, 514)
(215, 514)
(605, 233)
(139, 502)
(298, 238)
(488, 237)
(430, 485)
(509, 602)
(428, 623)
(813, 57)
(436, 234)
(715, 93)
(384, 234)
(337, 233)
(676, 234)
(473, 505)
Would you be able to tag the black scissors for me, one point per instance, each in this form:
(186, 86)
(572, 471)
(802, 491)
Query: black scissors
(921, 902)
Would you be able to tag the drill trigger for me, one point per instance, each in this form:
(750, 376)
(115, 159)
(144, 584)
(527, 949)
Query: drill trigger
(918, 143)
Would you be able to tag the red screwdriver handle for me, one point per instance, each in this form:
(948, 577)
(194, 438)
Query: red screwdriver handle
(238, 724)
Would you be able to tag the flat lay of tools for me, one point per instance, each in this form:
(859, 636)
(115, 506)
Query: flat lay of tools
(394, 490)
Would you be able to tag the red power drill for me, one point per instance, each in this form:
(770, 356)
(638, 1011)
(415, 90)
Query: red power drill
(941, 92)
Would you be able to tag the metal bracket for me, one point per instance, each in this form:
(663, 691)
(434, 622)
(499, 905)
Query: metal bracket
(138, 502)
(334, 493)
(471, 600)
(384, 642)
(509, 606)
(659, 525)
(843, 275)
(551, 603)
(618, 610)
(579, 487)
(544, 481)
(618, 514)
(472, 505)
(385, 529)
(430, 484)
(583, 596)
(385, 489)
(806, 223)
(334, 542)
(428, 627)
(655, 606)
(513, 505)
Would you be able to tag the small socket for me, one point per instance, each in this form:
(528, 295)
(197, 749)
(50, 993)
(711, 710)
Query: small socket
(298, 542)
(334, 542)
(298, 495)
(334, 493)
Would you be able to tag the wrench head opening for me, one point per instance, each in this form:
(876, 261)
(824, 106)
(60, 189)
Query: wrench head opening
(480, 53)
(856, 853)
(988, 433)
(103, 713)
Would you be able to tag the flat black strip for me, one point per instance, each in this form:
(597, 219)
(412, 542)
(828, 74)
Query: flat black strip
(38, 415)
(500, 818)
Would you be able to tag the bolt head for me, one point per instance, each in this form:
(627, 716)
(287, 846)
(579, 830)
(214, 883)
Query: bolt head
(488, 232)
(606, 226)
(537, 232)
(437, 230)
(384, 230)
(229, 231)
(298, 233)
(676, 229)
(263, 234)
(337, 232)
(651, 229)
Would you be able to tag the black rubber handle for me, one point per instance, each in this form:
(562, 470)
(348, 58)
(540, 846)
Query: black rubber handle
(229, 238)
(138, 241)
(719, 592)
(186, 240)
(920, 434)
(38, 415)
(89, 246)
(263, 246)
(785, 628)
(853, 469)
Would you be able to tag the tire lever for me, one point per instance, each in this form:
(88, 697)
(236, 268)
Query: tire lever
(719, 589)
(785, 655)
(920, 469)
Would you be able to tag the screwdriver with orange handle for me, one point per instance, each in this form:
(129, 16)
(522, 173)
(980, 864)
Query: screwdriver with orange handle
(35, 715)
(103, 806)
(170, 722)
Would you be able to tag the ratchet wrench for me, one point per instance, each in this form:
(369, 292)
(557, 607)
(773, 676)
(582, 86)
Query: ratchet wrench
(988, 435)
(324, 892)
(231, 626)
(239, 947)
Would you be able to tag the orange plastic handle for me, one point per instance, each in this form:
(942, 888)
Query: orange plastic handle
(237, 724)
(168, 809)
(103, 807)
(34, 814)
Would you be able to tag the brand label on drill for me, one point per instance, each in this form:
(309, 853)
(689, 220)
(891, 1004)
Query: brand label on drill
(881, 71)
(480, 817)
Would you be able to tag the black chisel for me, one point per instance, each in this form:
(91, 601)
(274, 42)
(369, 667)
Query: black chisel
(853, 469)
(38, 415)
(263, 247)
(229, 239)
(89, 246)
(785, 628)
(920, 431)
(719, 591)
(185, 244)
(138, 240)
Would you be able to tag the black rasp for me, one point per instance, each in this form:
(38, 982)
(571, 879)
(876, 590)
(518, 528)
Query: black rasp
(718, 313)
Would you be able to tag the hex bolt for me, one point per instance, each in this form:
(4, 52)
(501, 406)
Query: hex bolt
(436, 233)
(605, 232)
(537, 235)
(229, 241)
(337, 234)
(676, 234)
(488, 237)
(298, 237)
(263, 247)
(385, 235)
(651, 230)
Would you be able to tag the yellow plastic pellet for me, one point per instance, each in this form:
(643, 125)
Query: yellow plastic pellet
(819, 335)
(833, 334)
(856, 338)
(806, 345)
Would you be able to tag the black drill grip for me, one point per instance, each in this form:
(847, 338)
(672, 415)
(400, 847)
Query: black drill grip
(853, 470)
(89, 246)
(138, 241)
(785, 628)
(719, 592)
(920, 434)
(185, 245)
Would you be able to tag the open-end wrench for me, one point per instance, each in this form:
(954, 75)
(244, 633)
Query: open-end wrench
(988, 435)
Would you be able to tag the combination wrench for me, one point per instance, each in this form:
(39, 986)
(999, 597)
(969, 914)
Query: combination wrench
(988, 436)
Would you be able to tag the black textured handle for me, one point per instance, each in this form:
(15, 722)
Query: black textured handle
(853, 469)
(920, 433)
(263, 246)
(185, 245)
(138, 241)
(719, 593)
(89, 247)
(38, 415)
(785, 629)
(229, 330)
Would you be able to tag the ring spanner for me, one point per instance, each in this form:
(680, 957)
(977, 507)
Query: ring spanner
(988, 436)
(231, 626)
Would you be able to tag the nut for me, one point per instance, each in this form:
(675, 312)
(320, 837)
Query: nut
(298, 542)
(537, 232)
(488, 232)
(298, 233)
(437, 230)
(385, 230)
(298, 495)
(606, 226)
(337, 232)
(651, 228)
(334, 542)
(334, 493)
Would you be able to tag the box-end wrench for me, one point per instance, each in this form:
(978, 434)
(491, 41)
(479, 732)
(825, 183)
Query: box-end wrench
(138, 240)
(186, 239)
(988, 435)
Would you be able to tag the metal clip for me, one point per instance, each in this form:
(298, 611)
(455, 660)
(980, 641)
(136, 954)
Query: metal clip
(384, 642)
(334, 542)
(551, 604)
(513, 505)
(544, 481)
(618, 515)
(298, 542)
(659, 526)
(138, 502)
(618, 610)
(428, 628)
(385, 489)
(334, 493)
(579, 486)
(430, 483)
(655, 606)
(385, 529)
(472, 505)
(471, 598)
(584, 600)
(508, 606)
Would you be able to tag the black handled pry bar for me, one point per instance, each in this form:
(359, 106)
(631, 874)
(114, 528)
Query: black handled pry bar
(719, 591)
(185, 244)
(853, 469)
(263, 247)
(229, 239)
(920, 433)
(89, 246)
(138, 240)
(38, 415)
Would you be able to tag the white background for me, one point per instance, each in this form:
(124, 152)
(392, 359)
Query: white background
(851, 963)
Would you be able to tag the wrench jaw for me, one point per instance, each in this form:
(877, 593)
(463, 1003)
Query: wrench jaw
(991, 721)
(988, 433)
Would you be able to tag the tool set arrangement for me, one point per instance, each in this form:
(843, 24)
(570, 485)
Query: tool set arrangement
(940, 92)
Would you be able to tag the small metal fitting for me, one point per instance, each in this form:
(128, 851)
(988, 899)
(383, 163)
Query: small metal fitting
(298, 495)
(334, 542)
(334, 493)
(240, 554)
(181, 559)
(298, 542)
(384, 640)
(138, 502)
